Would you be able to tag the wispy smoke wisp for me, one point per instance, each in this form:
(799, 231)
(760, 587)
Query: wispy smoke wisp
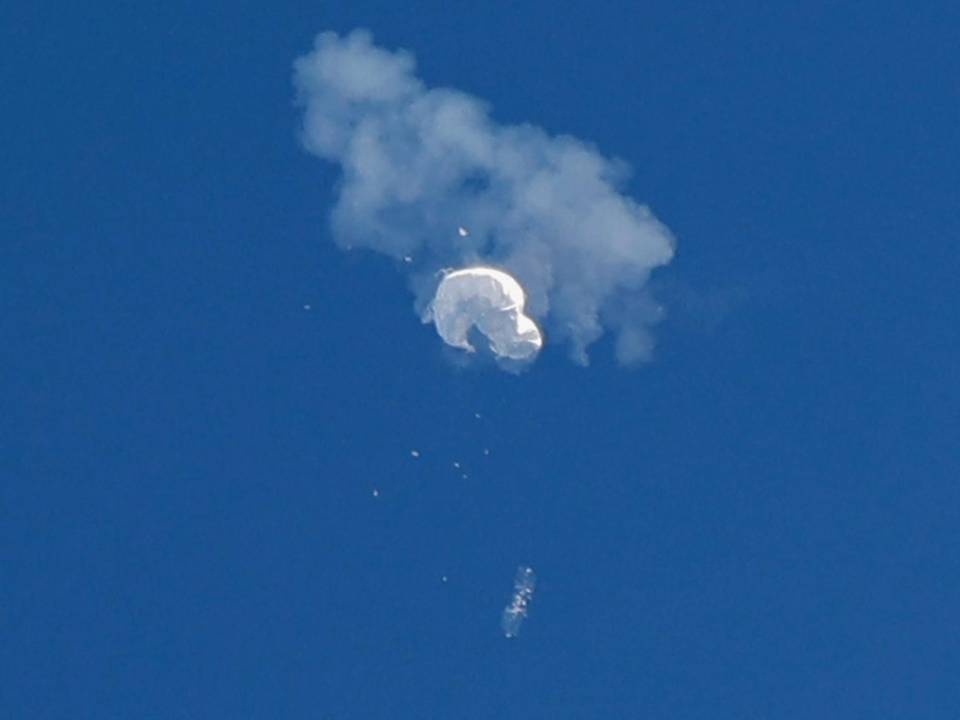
(419, 164)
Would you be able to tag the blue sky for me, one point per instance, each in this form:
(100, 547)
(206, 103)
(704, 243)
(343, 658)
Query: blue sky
(761, 522)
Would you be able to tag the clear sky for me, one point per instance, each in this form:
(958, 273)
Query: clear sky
(201, 392)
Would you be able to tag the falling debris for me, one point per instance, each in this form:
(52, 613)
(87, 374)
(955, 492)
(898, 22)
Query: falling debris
(407, 259)
(443, 578)
(463, 232)
(306, 307)
(456, 464)
(477, 415)
(376, 493)
(415, 453)
(491, 301)
(524, 583)
(486, 451)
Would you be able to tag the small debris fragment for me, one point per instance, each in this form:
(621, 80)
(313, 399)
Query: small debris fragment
(462, 231)
(415, 453)
(376, 493)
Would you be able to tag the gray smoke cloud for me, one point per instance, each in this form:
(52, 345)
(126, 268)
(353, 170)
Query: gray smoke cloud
(420, 163)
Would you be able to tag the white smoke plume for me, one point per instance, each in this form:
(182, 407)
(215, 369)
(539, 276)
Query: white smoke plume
(429, 178)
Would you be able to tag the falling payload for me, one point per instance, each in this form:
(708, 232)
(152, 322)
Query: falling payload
(491, 301)
(524, 583)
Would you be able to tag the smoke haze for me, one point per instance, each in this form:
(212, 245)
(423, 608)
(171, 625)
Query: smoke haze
(421, 164)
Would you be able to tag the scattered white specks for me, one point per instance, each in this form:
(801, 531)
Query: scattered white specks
(456, 464)
(443, 578)
(306, 307)
(407, 259)
(376, 493)
(462, 231)
(415, 453)
(486, 451)
(477, 415)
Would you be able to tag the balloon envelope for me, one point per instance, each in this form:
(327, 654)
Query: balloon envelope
(491, 301)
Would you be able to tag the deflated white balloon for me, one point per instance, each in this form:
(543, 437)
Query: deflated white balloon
(491, 301)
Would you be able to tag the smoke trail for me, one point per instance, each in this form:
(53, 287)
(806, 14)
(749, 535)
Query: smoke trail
(420, 165)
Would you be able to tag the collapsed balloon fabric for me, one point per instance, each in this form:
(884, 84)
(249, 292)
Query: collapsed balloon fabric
(491, 301)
